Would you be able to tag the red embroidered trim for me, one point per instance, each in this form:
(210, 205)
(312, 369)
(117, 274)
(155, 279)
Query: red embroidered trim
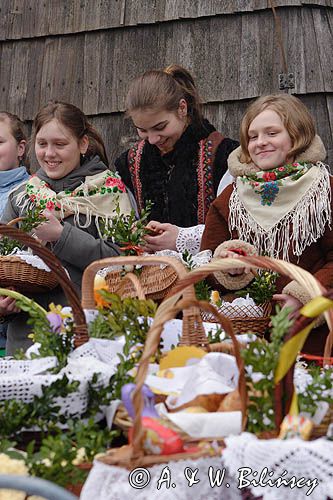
(205, 179)
(134, 162)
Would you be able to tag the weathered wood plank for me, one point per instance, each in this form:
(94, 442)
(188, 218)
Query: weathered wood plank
(34, 77)
(68, 16)
(7, 56)
(325, 50)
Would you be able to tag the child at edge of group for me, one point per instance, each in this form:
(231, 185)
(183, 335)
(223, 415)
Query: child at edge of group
(280, 203)
(13, 171)
(179, 161)
(73, 164)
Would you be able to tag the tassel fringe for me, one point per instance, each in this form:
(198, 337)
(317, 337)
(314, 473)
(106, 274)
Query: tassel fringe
(298, 229)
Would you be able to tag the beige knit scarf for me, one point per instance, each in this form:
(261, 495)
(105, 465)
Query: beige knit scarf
(276, 214)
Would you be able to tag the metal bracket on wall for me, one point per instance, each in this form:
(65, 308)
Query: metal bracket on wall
(286, 81)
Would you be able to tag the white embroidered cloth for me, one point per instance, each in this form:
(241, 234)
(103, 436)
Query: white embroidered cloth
(251, 461)
(189, 238)
(32, 260)
(107, 482)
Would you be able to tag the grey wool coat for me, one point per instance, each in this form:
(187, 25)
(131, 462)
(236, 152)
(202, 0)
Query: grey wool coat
(76, 248)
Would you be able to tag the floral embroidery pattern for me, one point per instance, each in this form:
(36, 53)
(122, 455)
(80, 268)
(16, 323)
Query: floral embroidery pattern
(267, 184)
(42, 195)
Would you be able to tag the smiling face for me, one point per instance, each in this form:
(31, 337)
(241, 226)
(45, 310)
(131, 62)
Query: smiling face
(10, 150)
(268, 141)
(161, 128)
(57, 150)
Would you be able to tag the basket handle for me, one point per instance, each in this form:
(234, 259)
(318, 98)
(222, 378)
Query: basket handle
(15, 221)
(192, 333)
(133, 279)
(303, 277)
(80, 328)
(165, 314)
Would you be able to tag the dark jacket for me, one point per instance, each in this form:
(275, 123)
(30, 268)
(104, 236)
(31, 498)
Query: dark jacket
(171, 181)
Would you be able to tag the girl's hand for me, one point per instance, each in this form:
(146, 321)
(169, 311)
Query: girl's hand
(235, 271)
(49, 230)
(288, 301)
(8, 305)
(165, 239)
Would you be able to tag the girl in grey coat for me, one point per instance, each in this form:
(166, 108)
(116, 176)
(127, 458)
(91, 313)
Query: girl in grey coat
(75, 190)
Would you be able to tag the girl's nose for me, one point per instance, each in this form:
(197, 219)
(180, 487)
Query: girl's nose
(153, 138)
(50, 152)
(262, 139)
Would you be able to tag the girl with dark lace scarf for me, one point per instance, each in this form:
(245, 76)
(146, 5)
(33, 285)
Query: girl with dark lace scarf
(179, 161)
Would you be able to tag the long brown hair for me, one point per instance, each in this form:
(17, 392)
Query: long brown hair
(17, 130)
(294, 115)
(76, 121)
(162, 90)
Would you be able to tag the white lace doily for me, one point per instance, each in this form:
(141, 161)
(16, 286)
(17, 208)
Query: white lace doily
(107, 482)
(32, 260)
(189, 238)
(249, 459)
(22, 380)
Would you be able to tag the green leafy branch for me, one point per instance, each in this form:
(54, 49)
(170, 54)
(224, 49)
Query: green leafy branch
(260, 359)
(261, 288)
(128, 231)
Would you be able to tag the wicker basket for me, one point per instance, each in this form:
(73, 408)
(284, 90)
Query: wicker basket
(131, 456)
(156, 282)
(284, 389)
(60, 277)
(244, 319)
(16, 273)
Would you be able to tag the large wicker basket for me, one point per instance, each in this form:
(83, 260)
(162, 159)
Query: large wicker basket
(284, 389)
(16, 273)
(60, 277)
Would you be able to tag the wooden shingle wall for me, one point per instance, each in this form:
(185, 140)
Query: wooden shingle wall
(87, 51)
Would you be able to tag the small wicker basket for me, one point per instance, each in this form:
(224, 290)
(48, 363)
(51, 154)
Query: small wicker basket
(245, 319)
(156, 281)
(16, 273)
(60, 277)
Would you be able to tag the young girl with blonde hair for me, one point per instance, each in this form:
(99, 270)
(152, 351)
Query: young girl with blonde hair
(281, 201)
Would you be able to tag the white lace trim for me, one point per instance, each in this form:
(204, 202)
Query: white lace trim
(32, 260)
(106, 482)
(189, 238)
(311, 460)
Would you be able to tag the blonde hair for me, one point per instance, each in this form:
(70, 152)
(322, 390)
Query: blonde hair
(294, 115)
(162, 90)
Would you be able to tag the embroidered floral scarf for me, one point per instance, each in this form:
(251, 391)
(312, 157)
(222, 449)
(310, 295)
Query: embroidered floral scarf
(288, 206)
(97, 196)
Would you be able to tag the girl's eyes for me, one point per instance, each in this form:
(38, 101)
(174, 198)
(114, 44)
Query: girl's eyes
(252, 137)
(160, 128)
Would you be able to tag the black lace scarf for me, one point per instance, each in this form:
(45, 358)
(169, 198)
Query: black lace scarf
(170, 181)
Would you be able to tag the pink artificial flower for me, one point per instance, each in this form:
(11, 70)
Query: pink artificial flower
(50, 205)
(269, 176)
(114, 182)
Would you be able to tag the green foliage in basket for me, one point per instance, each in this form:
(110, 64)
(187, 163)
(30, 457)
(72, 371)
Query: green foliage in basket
(261, 288)
(60, 454)
(32, 219)
(319, 389)
(202, 288)
(129, 317)
(42, 411)
(216, 336)
(128, 231)
(60, 451)
(52, 342)
(260, 359)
